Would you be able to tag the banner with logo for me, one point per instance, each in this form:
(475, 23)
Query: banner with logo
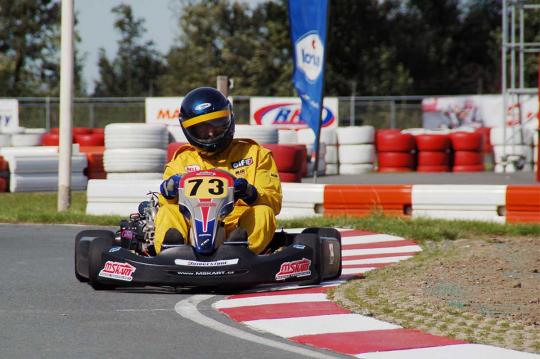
(284, 112)
(478, 111)
(9, 114)
(164, 110)
(308, 35)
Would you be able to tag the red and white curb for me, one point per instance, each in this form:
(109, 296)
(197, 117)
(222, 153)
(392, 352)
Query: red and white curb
(304, 315)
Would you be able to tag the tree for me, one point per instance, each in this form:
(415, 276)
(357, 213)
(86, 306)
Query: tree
(223, 38)
(137, 65)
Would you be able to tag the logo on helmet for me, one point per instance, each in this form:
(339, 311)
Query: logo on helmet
(309, 55)
(202, 106)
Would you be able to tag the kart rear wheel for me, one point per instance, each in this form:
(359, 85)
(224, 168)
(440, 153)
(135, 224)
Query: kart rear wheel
(331, 233)
(96, 249)
(82, 244)
(313, 241)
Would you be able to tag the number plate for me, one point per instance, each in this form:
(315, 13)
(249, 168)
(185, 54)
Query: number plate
(205, 187)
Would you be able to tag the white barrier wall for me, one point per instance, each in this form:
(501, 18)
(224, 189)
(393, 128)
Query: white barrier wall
(467, 202)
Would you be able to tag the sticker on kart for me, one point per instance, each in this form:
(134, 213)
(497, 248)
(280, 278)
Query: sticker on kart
(118, 271)
(192, 263)
(297, 269)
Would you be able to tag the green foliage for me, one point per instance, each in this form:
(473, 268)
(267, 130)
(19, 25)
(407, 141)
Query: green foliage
(136, 67)
(220, 37)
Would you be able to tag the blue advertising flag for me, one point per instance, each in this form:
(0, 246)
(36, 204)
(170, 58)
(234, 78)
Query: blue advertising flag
(308, 34)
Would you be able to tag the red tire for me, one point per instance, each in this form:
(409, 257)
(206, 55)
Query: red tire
(486, 142)
(94, 174)
(171, 149)
(287, 157)
(3, 164)
(394, 141)
(466, 141)
(468, 158)
(394, 169)
(427, 158)
(289, 177)
(50, 139)
(95, 162)
(94, 139)
(432, 143)
(474, 168)
(98, 130)
(395, 159)
(433, 169)
(3, 184)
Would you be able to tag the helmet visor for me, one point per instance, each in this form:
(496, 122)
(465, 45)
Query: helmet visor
(209, 131)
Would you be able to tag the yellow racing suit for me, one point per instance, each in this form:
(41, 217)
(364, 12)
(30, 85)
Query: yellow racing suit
(242, 158)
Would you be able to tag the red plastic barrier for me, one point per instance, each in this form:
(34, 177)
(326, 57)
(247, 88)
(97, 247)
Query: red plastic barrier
(523, 203)
(361, 200)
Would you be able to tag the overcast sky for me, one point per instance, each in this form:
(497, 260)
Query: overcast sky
(96, 29)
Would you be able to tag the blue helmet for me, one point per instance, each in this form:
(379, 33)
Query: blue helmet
(207, 119)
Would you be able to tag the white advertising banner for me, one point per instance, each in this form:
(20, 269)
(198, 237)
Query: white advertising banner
(164, 110)
(479, 111)
(9, 114)
(284, 112)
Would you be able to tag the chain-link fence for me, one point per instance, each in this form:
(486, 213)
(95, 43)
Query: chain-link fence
(380, 112)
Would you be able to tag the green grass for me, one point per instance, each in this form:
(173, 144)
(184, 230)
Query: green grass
(41, 208)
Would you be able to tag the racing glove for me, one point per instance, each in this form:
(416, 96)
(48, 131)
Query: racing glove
(169, 187)
(245, 191)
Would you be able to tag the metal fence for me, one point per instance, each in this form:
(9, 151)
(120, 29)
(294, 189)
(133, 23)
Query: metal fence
(380, 112)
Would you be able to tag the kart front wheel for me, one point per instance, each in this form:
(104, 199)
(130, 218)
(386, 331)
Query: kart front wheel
(82, 246)
(95, 263)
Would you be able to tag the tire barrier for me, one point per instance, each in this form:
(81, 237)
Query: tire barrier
(261, 134)
(395, 151)
(291, 161)
(467, 148)
(4, 174)
(94, 157)
(523, 204)
(140, 160)
(361, 200)
(92, 139)
(21, 137)
(287, 137)
(176, 134)
(33, 169)
(356, 151)
(513, 150)
(433, 152)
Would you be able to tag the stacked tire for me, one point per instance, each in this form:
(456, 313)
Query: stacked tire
(135, 150)
(514, 151)
(4, 174)
(290, 161)
(21, 137)
(94, 158)
(328, 138)
(395, 151)
(433, 152)
(84, 136)
(260, 134)
(356, 151)
(467, 147)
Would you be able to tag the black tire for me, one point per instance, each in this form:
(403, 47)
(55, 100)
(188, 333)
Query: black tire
(313, 241)
(97, 247)
(81, 250)
(328, 232)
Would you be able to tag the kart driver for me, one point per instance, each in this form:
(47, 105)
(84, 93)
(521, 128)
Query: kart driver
(207, 120)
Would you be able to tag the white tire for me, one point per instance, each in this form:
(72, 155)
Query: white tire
(331, 154)
(355, 135)
(511, 168)
(287, 137)
(355, 169)
(13, 130)
(40, 182)
(134, 160)
(26, 139)
(176, 134)
(512, 151)
(44, 164)
(261, 134)
(356, 154)
(5, 140)
(35, 130)
(136, 135)
(306, 136)
(332, 169)
(134, 176)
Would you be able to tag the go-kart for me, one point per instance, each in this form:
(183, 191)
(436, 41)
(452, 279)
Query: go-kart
(127, 258)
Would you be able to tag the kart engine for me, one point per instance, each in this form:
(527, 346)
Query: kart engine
(137, 233)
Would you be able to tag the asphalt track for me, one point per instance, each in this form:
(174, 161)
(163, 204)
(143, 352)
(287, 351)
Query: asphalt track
(46, 313)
